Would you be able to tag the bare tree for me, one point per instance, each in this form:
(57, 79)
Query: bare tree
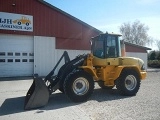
(135, 33)
(158, 44)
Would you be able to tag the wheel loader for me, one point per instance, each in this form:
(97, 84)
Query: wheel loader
(76, 77)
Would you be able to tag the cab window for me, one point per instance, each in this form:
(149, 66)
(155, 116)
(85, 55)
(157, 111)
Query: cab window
(98, 47)
(111, 49)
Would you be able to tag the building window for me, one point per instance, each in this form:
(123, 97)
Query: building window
(2, 53)
(2, 60)
(17, 60)
(31, 60)
(10, 60)
(17, 54)
(31, 54)
(24, 54)
(24, 60)
(10, 54)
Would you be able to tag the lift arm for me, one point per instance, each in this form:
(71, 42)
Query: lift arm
(66, 59)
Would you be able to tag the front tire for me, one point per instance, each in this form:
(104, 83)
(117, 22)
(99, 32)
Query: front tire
(128, 83)
(79, 86)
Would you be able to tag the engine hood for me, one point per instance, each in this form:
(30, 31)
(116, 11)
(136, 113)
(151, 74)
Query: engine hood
(131, 61)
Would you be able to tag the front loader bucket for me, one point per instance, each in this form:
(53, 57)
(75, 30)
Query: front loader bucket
(37, 95)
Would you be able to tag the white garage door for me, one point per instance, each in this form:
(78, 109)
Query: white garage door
(16, 55)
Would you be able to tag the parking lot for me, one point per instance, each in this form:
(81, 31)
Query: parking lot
(103, 104)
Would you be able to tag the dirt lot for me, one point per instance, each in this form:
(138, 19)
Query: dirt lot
(103, 105)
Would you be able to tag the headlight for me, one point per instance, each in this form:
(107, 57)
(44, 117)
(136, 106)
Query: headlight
(143, 67)
(141, 64)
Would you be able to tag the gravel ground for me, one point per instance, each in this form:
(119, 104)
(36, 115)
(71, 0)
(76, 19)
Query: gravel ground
(103, 104)
(111, 106)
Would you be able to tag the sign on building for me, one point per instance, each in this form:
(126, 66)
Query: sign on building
(20, 22)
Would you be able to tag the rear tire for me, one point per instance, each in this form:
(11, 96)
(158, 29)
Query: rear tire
(128, 83)
(79, 86)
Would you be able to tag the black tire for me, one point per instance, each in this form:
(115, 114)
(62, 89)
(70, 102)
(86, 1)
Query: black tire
(79, 86)
(128, 83)
(27, 24)
(19, 23)
(101, 84)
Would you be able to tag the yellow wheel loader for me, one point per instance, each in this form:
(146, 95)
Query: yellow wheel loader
(76, 77)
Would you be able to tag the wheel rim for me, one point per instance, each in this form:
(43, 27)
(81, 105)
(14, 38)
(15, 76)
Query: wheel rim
(130, 82)
(80, 86)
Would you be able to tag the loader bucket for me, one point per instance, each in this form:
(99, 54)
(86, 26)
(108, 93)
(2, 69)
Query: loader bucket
(37, 96)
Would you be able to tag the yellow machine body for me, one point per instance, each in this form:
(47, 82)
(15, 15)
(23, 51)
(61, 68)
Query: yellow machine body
(108, 70)
(104, 65)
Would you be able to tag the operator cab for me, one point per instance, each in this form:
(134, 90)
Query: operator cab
(106, 46)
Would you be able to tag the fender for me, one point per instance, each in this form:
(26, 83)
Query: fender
(70, 66)
(117, 71)
(120, 69)
(90, 70)
(65, 70)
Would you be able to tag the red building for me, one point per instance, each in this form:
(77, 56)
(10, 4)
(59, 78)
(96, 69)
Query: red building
(34, 34)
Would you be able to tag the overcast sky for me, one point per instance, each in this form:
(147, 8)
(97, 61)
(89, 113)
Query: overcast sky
(108, 15)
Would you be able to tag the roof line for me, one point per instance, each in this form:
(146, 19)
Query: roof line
(137, 45)
(68, 15)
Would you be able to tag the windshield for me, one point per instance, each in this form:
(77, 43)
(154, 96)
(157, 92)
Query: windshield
(98, 47)
(105, 46)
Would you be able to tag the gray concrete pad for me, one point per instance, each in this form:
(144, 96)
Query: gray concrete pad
(153, 69)
(103, 104)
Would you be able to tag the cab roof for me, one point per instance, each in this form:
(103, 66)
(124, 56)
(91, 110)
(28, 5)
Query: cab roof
(104, 34)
